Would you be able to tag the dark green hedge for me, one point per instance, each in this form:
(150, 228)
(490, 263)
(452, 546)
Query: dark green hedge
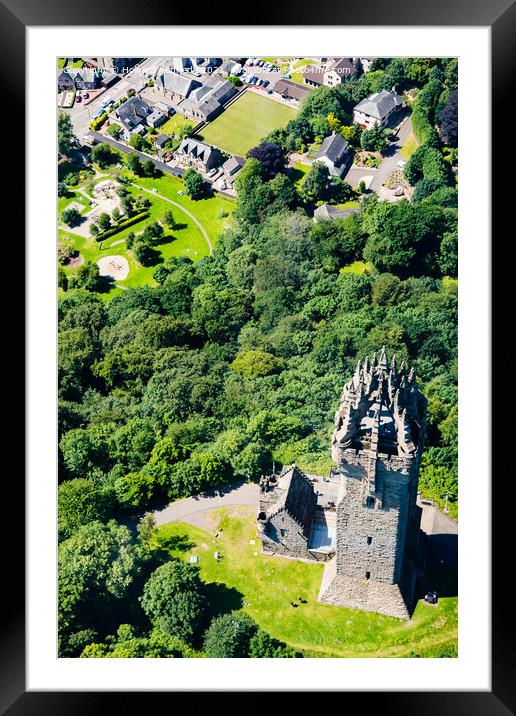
(125, 224)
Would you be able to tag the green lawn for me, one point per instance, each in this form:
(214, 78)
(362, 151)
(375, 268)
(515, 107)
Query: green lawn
(359, 267)
(64, 201)
(409, 146)
(246, 122)
(299, 67)
(270, 583)
(298, 172)
(172, 125)
(187, 240)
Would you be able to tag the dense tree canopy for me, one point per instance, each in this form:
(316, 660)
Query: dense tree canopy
(227, 364)
(174, 600)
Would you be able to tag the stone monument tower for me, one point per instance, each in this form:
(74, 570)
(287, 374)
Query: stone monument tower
(377, 444)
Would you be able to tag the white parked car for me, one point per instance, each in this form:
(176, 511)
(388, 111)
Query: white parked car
(401, 163)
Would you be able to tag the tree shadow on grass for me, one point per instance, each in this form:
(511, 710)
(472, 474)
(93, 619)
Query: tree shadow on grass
(222, 599)
(165, 239)
(151, 257)
(173, 543)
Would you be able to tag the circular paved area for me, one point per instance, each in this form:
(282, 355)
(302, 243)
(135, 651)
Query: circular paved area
(116, 267)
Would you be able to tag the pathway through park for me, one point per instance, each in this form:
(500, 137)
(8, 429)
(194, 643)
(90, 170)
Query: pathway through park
(188, 213)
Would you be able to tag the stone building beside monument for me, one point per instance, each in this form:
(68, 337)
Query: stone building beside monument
(371, 530)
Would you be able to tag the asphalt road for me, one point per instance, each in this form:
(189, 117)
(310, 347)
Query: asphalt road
(175, 171)
(82, 115)
(238, 494)
(246, 494)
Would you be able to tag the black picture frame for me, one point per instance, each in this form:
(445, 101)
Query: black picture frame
(500, 16)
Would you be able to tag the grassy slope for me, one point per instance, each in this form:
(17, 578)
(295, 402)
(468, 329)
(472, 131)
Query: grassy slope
(270, 583)
(246, 122)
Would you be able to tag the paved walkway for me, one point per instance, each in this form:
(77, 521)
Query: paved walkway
(188, 213)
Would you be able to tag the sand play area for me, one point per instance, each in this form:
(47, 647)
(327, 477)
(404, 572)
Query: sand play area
(106, 199)
(116, 267)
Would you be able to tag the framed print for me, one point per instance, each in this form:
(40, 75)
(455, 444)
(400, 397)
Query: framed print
(267, 276)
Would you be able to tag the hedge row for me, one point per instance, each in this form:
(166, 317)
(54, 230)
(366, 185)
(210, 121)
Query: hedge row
(423, 111)
(125, 224)
(427, 161)
(96, 123)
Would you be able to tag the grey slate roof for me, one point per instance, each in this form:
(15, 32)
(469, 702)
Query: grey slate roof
(325, 211)
(233, 165)
(133, 112)
(314, 74)
(196, 150)
(379, 104)
(161, 139)
(208, 100)
(335, 147)
(178, 84)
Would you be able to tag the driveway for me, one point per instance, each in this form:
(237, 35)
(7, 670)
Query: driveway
(388, 165)
(391, 159)
(191, 508)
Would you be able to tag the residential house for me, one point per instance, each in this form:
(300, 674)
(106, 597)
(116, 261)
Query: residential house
(338, 71)
(121, 65)
(313, 76)
(290, 91)
(334, 154)
(78, 79)
(196, 65)
(195, 154)
(231, 167)
(325, 211)
(377, 109)
(205, 102)
(156, 118)
(175, 86)
(161, 140)
(133, 113)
